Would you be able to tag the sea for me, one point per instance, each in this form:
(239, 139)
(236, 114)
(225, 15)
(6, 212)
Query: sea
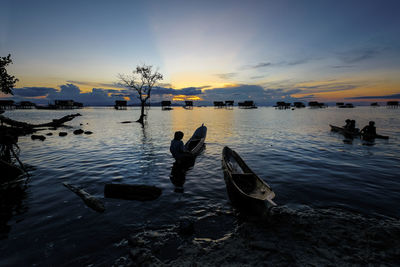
(293, 150)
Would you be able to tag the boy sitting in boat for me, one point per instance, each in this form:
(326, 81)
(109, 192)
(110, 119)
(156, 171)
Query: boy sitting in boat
(369, 131)
(348, 121)
(177, 147)
(352, 127)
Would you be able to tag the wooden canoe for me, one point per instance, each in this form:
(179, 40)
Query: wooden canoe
(194, 146)
(344, 131)
(196, 143)
(348, 133)
(243, 185)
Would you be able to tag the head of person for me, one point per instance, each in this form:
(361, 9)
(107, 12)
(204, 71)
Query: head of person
(353, 122)
(178, 135)
(348, 121)
(371, 123)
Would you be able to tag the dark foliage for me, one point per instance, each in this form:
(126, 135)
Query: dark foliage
(7, 81)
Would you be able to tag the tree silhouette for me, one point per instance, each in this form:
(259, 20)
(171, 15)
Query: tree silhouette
(7, 81)
(142, 81)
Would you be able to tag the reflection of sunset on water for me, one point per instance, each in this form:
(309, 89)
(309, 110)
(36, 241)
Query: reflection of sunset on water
(188, 120)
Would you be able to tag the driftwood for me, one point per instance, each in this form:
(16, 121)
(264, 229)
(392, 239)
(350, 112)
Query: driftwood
(54, 123)
(132, 192)
(89, 200)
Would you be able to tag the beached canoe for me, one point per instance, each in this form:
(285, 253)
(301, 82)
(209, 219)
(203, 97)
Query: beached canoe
(243, 185)
(344, 131)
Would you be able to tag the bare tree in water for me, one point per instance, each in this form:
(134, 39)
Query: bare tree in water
(7, 81)
(142, 81)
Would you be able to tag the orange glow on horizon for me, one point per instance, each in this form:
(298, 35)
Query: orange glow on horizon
(186, 97)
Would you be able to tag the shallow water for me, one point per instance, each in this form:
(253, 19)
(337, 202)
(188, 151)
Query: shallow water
(293, 150)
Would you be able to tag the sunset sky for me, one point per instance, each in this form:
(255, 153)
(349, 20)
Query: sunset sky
(215, 50)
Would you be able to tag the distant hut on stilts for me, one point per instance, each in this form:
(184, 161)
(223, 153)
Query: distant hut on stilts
(229, 104)
(392, 104)
(120, 104)
(219, 104)
(166, 105)
(188, 105)
(6, 104)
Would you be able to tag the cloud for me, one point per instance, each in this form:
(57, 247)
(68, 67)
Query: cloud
(33, 91)
(97, 96)
(260, 65)
(96, 84)
(342, 66)
(69, 89)
(244, 92)
(258, 77)
(395, 96)
(44, 95)
(278, 64)
(183, 91)
(327, 87)
(266, 94)
(227, 76)
(296, 62)
(357, 55)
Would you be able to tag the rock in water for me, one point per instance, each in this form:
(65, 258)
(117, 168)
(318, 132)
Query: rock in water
(79, 131)
(88, 132)
(49, 134)
(38, 137)
(62, 133)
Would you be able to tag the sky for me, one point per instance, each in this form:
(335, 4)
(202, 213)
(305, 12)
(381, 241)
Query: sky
(266, 51)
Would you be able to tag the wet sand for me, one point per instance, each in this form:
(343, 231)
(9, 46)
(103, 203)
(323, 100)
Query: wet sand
(287, 237)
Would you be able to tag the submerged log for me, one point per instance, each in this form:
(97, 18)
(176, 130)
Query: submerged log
(89, 200)
(132, 192)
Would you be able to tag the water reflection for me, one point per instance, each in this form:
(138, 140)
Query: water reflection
(223, 122)
(11, 204)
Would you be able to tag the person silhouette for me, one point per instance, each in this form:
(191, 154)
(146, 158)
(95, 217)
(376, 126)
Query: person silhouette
(369, 131)
(177, 147)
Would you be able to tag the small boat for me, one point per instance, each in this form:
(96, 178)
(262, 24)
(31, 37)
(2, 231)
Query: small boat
(378, 136)
(344, 131)
(351, 134)
(193, 146)
(244, 187)
(196, 143)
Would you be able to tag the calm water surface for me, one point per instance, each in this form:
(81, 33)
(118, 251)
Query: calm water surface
(294, 151)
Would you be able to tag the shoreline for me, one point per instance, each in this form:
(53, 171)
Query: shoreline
(287, 236)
